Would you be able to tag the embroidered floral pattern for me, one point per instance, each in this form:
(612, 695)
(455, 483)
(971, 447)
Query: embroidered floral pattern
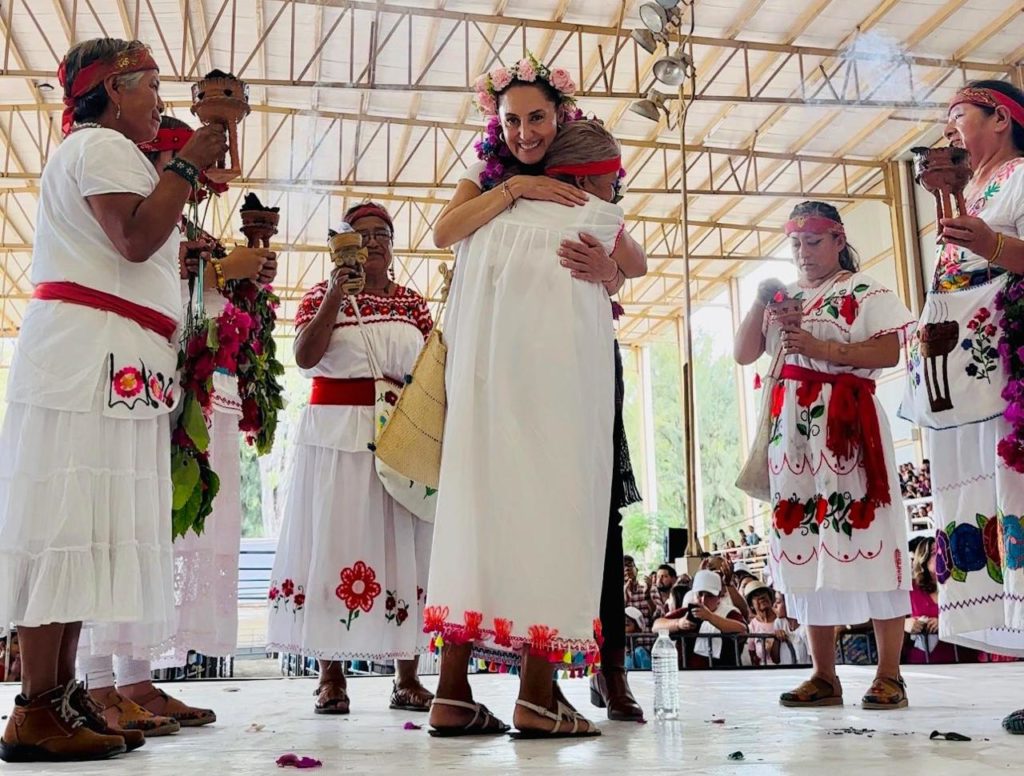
(396, 610)
(1012, 529)
(969, 547)
(843, 304)
(133, 386)
(358, 589)
(405, 305)
(839, 512)
(128, 382)
(288, 596)
(981, 346)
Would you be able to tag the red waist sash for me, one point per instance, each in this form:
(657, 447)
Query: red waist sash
(73, 293)
(358, 392)
(852, 423)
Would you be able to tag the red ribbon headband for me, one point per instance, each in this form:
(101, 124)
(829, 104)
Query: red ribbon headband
(989, 98)
(370, 209)
(590, 168)
(92, 75)
(168, 139)
(814, 225)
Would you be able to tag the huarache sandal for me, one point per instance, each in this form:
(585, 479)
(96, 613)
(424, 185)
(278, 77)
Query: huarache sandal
(563, 715)
(886, 693)
(483, 722)
(411, 698)
(813, 693)
(1014, 722)
(331, 699)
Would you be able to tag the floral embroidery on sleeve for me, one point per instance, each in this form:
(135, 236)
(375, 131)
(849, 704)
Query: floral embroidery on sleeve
(310, 303)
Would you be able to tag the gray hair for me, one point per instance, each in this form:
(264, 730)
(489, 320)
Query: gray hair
(90, 106)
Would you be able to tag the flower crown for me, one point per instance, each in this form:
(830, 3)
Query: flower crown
(527, 70)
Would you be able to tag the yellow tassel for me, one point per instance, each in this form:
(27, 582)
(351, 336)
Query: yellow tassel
(567, 658)
(439, 643)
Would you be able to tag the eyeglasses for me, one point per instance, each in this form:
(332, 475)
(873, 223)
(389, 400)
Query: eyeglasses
(382, 236)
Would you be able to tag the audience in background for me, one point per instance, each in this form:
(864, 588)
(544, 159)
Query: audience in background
(660, 592)
(708, 611)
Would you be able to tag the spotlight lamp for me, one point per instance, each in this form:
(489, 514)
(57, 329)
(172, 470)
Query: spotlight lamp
(646, 39)
(652, 106)
(674, 69)
(659, 16)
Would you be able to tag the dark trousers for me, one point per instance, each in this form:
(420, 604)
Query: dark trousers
(613, 598)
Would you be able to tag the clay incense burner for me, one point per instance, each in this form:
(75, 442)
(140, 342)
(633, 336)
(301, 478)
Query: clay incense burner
(220, 98)
(944, 172)
(259, 222)
(787, 312)
(347, 251)
(937, 342)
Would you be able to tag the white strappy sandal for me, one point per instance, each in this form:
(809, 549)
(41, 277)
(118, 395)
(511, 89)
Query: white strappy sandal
(482, 724)
(581, 726)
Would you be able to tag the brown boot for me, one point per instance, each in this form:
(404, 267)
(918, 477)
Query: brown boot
(96, 722)
(49, 729)
(610, 688)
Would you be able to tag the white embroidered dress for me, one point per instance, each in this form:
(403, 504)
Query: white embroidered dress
(522, 513)
(954, 390)
(351, 566)
(838, 560)
(85, 489)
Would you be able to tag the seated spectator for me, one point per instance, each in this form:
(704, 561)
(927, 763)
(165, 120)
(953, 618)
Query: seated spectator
(635, 592)
(706, 611)
(663, 580)
(638, 655)
(723, 568)
(743, 538)
(923, 622)
(752, 538)
(788, 629)
(761, 600)
(683, 586)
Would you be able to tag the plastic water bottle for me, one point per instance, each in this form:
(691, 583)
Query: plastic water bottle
(665, 666)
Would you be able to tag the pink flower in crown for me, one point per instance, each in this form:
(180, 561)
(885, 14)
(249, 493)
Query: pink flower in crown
(525, 71)
(486, 103)
(481, 83)
(561, 80)
(500, 78)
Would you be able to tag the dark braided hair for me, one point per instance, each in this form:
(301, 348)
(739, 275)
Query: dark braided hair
(848, 257)
(1014, 94)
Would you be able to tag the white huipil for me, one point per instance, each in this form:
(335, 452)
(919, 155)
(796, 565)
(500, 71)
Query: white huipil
(85, 488)
(522, 513)
(350, 573)
(838, 559)
(978, 499)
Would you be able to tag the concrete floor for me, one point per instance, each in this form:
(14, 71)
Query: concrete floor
(372, 740)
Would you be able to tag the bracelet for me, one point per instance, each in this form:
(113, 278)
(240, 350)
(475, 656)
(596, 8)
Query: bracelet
(1000, 243)
(184, 169)
(508, 193)
(218, 270)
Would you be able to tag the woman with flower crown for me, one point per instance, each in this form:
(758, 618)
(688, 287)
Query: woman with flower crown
(527, 465)
(966, 382)
(525, 106)
(838, 544)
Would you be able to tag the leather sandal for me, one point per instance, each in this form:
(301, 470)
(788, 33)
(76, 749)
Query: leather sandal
(1013, 723)
(563, 715)
(483, 722)
(411, 698)
(813, 693)
(886, 693)
(331, 699)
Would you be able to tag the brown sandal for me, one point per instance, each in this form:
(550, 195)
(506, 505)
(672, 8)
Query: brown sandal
(812, 693)
(411, 698)
(160, 703)
(331, 699)
(886, 693)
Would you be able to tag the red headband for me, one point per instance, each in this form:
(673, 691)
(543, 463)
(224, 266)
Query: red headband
(814, 225)
(989, 98)
(168, 139)
(589, 168)
(369, 209)
(92, 75)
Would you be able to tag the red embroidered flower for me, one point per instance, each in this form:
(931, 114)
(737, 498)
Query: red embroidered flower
(128, 382)
(990, 330)
(287, 588)
(434, 618)
(401, 616)
(541, 637)
(300, 600)
(972, 324)
(155, 389)
(990, 536)
(273, 594)
(821, 509)
(778, 399)
(391, 398)
(862, 514)
(502, 632)
(472, 627)
(419, 593)
(983, 314)
(358, 587)
(788, 516)
(808, 392)
(390, 603)
(848, 309)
